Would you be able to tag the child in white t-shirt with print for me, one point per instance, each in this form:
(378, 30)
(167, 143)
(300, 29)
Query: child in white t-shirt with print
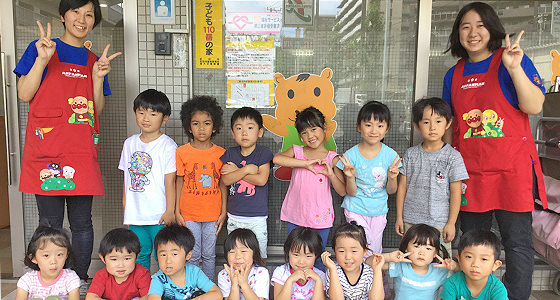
(244, 276)
(148, 162)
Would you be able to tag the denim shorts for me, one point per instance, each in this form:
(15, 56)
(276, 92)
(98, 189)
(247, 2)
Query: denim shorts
(259, 228)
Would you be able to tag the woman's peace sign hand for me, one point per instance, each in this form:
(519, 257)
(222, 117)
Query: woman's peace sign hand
(513, 54)
(102, 66)
(45, 46)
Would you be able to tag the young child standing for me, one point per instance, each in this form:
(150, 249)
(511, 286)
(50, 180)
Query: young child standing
(65, 85)
(308, 201)
(350, 277)
(371, 170)
(148, 162)
(122, 277)
(246, 170)
(417, 275)
(203, 196)
(479, 253)
(429, 190)
(298, 278)
(176, 279)
(49, 254)
(245, 276)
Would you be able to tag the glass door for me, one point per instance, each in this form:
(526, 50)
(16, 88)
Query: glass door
(370, 46)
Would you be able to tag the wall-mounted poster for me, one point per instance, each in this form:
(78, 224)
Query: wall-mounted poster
(162, 11)
(250, 69)
(299, 13)
(253, 22)
(209, 38)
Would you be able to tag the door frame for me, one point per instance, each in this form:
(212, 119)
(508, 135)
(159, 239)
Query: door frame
(7, 44)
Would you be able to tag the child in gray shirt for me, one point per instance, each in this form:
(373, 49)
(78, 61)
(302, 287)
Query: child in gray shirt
(429, 188)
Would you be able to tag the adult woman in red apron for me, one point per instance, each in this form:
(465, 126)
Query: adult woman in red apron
(65, 85)
(491, 91)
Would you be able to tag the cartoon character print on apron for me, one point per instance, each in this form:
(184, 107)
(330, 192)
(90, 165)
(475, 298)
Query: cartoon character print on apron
(62, 134)
(495, 141)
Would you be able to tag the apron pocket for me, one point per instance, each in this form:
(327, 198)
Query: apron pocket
(48, 113)
(493, 154)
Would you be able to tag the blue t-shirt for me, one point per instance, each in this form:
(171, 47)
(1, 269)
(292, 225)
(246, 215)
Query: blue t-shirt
(371, 180)
(195, 280)
(455, 288)
(66, 53)
(245, 199)
(411, 285)
(506, 84)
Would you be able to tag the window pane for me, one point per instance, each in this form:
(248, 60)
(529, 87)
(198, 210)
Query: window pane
(370, 47)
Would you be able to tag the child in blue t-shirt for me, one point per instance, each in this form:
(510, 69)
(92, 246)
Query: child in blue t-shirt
(245, 171)
(479, 253)
(414, 267)
(176, 279)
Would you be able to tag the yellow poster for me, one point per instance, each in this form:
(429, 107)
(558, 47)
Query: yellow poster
(209, 39)
(250, 71)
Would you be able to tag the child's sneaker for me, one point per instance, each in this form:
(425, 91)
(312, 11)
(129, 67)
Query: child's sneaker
(84, 287)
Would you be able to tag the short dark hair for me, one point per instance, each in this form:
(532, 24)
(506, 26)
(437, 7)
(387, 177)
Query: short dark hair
(423, 234)
(202, 103)
(247, 238)
(43, 234)
(119, 239)
(374, 110)
(247, 113)
(66, 5)
(154, 100)
(309, 117)
(489, 19)
(302, 238)
(480, 237)
(177, 234)
(351, 230)
(438, 106)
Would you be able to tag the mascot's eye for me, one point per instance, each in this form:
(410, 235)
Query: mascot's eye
(317, 92)
(291, 94)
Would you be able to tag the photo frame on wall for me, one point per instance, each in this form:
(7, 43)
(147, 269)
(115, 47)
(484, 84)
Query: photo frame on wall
(162, 12)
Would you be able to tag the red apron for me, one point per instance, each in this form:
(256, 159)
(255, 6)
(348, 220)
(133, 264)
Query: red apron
(62, 134)
(496, 143)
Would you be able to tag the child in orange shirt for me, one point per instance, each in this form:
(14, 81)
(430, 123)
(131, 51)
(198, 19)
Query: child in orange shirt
(201, 195)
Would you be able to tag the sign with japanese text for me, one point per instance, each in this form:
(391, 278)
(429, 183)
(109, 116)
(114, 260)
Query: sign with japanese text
(253, 22)
(209, 37)
(250, 70)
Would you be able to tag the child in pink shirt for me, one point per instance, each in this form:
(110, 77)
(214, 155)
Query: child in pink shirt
(308, 201)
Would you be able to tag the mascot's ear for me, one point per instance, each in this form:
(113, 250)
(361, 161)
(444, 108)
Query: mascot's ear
(553, 53)
(327, 73)
(278, 78)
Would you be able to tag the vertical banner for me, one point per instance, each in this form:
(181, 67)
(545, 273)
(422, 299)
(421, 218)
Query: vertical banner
(209, 38)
